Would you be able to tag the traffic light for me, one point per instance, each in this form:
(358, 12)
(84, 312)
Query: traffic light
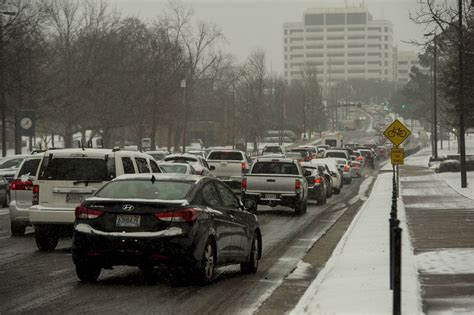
(404, 106)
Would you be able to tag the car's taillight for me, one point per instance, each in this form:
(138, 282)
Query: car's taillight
(297, 184)
(181, 215)
(86, 213)
(244, 184)
(18, 184)
(317, 180)
(35, 199)
(360, 158)
(243, 168)
(346, 168)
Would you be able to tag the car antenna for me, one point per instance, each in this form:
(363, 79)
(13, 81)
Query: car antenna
(153, 179)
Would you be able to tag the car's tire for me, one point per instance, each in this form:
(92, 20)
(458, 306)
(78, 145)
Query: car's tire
(46, 237)
(88, 272)
(17, 229)
(337, 191)
(6, 201)
(149, 274)
(300, 208)
(251, 266)
(206, 273)
(322, 200)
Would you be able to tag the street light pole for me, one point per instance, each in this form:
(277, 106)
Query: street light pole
(185, 122)
(461, 140)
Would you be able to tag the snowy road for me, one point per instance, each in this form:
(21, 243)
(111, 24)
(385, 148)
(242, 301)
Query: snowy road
(38, 282)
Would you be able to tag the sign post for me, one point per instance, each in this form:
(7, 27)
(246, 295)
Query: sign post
(397, 132)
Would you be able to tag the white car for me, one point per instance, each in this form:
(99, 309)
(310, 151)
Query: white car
(177, 168)
(336, 175)
(273, 149)
(344, 166)
(68, 176)
(199, 163)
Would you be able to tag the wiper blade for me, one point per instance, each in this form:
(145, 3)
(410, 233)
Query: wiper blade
(87, 181)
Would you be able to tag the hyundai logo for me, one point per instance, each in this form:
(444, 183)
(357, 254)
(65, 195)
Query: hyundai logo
(128, 208)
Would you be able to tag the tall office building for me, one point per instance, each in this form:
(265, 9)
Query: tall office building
(404, 61)
(341, 43)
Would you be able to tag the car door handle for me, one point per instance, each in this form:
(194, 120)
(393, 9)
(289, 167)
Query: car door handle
(270, 180)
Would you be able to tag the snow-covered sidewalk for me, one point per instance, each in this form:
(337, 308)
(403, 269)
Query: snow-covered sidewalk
(356, 277)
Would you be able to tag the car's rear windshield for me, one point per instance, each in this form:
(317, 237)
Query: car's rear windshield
(275, 168)
(304, 152)
(90, 169)
(158, 156)
(225, 155)
(145, 189)
(272, 150)
(180, 169)
(29, 168)
(335, 154)
(294, 154)
(183, 159)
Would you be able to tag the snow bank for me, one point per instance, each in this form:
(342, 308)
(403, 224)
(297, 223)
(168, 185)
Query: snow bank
(356, 277)
(447, 261)
(454, 180)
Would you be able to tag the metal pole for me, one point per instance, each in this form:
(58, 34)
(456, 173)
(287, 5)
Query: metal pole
(3, 105)
(435, 115)
(233, 114)
(185, 122)
(462, 144)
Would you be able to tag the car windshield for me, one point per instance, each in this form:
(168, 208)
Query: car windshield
(170, 168)
(275, 168)
(272, 150)
(145, 189)
(225, 155)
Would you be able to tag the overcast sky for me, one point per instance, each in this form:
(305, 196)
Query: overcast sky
(249, 24)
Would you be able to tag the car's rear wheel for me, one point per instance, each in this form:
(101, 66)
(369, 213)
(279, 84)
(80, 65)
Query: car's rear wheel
(17, 229)
(88, 272)
(6, 201)
(322, 199)
(207, 271)
(47, 237)
(251, 266)
(300, 208)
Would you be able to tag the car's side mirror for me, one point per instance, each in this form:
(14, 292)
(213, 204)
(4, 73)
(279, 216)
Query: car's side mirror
(307, 173)
(212, 168)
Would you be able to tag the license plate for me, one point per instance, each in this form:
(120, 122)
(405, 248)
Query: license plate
(128, 220)
(270, 196)
(74, 198)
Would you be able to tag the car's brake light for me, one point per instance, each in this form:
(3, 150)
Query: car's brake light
(243, 168)
(297, 184)
(346, 168)
(360, 158)
(181, 215)
(317, 180)
(86, 213)
(244, 183)
(18, 184)
(35, 199)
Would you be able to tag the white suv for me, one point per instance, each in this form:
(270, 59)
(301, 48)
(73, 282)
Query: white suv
(68, 176)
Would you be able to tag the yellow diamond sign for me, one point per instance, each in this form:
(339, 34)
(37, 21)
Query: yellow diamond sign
(397, 132)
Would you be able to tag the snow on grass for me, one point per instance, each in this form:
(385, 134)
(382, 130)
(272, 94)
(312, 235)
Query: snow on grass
(454, 180)
(447, 261)
(356, 277)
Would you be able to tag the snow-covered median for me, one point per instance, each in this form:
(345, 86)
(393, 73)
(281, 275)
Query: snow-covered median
(356, 277)
(454, 180)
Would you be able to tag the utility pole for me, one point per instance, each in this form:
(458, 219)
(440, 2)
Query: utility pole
(435, 112)
(233, 113)
(461, 140)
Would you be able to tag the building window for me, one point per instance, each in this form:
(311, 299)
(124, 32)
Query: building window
(296, 48)
(356, 71)
(286, 32)
(336, 55)
(374, 63)
(296, 64)
(314, 19)
(374, 46)
(356, 46)
(296, 56)
(403, 71)
(386, 71)
(334, 71)
(296, 31)
(385, 55)
(335, 29)
(314, 55)
(374, 54)
(378, 29)
(403, 62)
(356, 18)
(356, 29)
(336, 19)
(314, 38)
(336, 63)
(356, 62)
(386, 46)
(374, 71)
(335, 46)
(335, 37)
(386, 63)
(385, 37)
(357, 54)
(297, 39)
(374, 37)
(385, 29)
(314, 47)
(356, 37)
(312, 30)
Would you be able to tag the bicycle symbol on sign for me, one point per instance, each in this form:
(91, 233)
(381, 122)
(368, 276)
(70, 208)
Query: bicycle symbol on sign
(397, 132)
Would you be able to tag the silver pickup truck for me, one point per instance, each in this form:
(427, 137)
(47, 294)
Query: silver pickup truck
(229, 166)
(275, 181)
